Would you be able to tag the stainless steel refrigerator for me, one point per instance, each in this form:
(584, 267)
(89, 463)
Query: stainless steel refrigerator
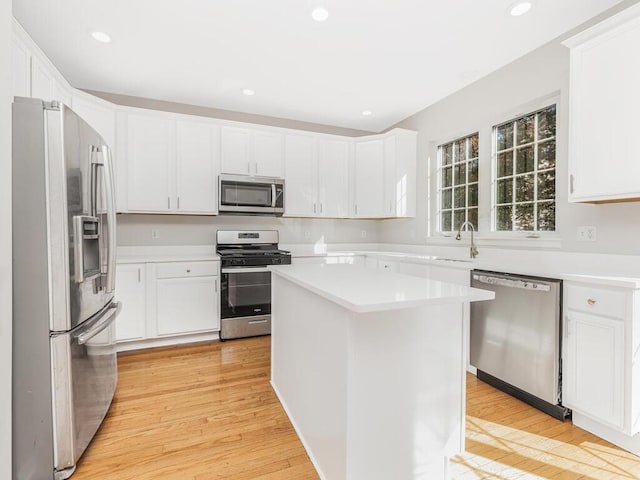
(64, 250)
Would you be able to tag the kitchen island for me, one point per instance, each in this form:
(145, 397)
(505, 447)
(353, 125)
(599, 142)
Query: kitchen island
(370, 368)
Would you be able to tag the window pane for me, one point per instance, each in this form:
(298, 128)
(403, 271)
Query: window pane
(446, 220)
(505, 190)
(525, 129)
(547, 155)
(547, 185)
(446, 198)
(472, 215)
(547, 216)
(458, 218)
(459, 197)
(504, 218)
(473, 141)
(473, 171)
(460, 173)
(505, 136)
(473, 195)
(524, 159)
(547, 122)
(446, 177)
(524, 217)
(461, 150)
(447, 153)
(524, 188)
(505, 164)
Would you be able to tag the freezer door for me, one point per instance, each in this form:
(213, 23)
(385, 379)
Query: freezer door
(84, 376)
(81, 218)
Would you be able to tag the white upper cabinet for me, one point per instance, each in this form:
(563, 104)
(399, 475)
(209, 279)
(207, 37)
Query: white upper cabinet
(245, 151)
(196, 187)
(603, 112)
(333, 178)
(400, 173)
(369, 185)
(267, 153)
(42, 81)
(147, 149)
(300, 175)
(166, 164)
(20, 69)
(235, 150)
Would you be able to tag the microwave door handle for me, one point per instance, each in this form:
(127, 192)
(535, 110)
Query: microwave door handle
(111, 217)
(273, 195)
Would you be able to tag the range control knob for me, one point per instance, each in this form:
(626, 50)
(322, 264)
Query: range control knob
(277, 261)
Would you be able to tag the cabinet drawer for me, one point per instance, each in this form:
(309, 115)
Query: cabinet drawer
(600, 301)
(186, 269)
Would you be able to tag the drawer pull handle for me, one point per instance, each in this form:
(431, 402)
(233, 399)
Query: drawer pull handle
(591, 301)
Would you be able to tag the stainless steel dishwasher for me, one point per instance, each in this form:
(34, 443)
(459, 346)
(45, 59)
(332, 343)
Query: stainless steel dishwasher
(516, 338)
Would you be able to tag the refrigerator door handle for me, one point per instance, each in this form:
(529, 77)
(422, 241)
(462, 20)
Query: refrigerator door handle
(107, 319)
(111, 217)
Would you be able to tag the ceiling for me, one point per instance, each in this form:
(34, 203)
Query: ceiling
(392, 57)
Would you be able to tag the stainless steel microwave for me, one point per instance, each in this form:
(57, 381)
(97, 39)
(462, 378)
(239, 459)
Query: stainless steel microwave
(245, 195)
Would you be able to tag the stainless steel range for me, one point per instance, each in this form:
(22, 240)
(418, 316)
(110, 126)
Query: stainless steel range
(245, 293)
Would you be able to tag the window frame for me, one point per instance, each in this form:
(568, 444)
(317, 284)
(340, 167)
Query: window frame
(439, 186)
(528, 110)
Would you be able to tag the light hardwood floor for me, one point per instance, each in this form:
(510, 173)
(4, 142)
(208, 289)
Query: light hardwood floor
(207, 411)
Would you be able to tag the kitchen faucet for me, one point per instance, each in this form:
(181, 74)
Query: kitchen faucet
(473, 251)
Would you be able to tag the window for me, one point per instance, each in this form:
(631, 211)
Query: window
(458, 183)
(525, 173)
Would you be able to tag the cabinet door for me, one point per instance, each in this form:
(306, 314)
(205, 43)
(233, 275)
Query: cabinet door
(390, 179)
(604, 126)
(187, 305)
(300, 180)
(130, 290)
(369, 179)
(267, 154)
(333, 178)
(196, 173)
(42, 82)
(20, 69)
(234, 151)
(150, 162)
(594, 369)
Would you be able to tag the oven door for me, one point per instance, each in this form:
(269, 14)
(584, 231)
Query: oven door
(256, 195)
(245, 292)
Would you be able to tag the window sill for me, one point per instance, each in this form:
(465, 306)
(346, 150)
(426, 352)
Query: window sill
(512, 240)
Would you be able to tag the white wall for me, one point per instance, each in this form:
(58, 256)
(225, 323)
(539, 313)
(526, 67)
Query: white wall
(199, 230)
(5, 241)
(481, 105)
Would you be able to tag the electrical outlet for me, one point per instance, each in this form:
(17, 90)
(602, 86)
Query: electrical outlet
(363, 233)
(586, 234)
(307, 234)
(155, 234)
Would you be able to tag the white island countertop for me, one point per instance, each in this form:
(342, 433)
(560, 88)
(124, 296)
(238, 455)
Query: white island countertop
(362, 290)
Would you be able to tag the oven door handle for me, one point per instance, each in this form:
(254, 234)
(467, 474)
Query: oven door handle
(245, 270)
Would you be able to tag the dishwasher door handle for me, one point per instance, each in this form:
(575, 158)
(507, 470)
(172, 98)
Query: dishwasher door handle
(512, 283)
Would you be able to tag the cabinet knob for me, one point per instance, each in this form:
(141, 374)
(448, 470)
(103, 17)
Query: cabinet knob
(591, 301)
(188, 270)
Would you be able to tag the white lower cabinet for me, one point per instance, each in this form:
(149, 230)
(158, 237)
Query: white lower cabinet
(165, 303)
(600, 352)
(131, 324)
(594, 373)
(187, 304)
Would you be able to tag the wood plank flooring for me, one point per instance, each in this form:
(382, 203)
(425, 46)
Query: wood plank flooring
(207, 411)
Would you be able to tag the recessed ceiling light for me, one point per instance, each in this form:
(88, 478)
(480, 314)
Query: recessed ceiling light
(519, 8)
(320, 14)
(248, 92)
(101, 37)
(366, 113)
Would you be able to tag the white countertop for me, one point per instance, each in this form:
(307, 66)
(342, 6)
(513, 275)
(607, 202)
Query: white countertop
(361, 289)
(159, 254)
